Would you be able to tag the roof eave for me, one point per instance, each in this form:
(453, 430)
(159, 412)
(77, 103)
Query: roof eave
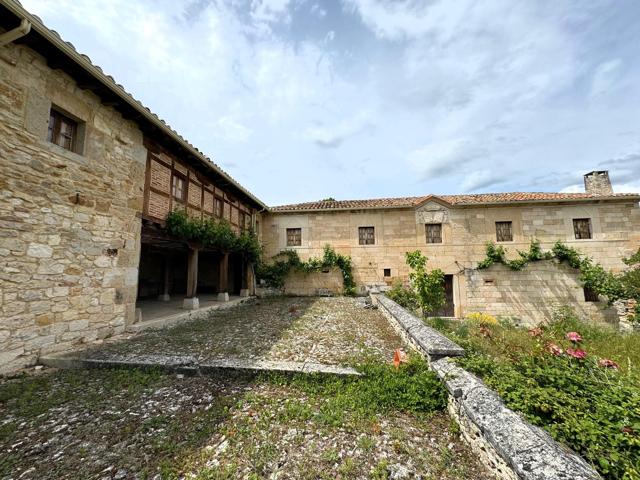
(89, 68)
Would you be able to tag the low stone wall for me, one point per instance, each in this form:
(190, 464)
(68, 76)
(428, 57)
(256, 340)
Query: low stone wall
(314, 283)
(531, 295)
(510, 446)
(626, 311)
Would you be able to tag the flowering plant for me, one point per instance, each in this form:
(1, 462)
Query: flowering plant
(576, 353)
(574, 337)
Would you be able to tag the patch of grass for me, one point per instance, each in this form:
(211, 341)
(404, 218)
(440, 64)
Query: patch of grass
(412, 388)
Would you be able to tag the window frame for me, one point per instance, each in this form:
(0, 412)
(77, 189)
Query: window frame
(181, 200)
(54, 130)
(386, 272)
(576, 231)
(369, 238)
(426, 233)
(293, 234)
(500, 239)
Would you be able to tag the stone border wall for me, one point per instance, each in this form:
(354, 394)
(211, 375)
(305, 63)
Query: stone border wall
(509, 445)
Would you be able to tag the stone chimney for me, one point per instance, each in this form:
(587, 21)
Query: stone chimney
(598, 183)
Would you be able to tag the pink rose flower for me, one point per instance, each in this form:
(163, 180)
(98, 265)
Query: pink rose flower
(535, 332)
(574, 337)
(577, 353)
(554, 349)
(606, 363)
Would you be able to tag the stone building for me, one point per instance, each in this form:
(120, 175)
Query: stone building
(87, 177)
(452, 231)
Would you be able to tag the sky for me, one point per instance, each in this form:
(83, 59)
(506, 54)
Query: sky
(301, 100)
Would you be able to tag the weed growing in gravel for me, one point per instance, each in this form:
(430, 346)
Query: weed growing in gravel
(412, 388)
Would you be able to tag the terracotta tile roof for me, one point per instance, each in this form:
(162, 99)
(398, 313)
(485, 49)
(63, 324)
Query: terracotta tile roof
(460, 200)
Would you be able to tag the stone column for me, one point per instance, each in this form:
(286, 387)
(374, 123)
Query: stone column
(191, 302)
(223, 280)
(164, 296)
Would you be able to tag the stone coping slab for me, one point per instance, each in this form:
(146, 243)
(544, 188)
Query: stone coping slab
(527, 450)
(188, 364)
(428, 340)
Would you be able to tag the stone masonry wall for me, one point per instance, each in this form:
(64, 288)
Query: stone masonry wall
(69, 225)
(531, 295)
(314, 283)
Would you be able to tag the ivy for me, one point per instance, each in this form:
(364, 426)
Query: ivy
(592, 275)
(428, 286)
(215, 234)
(286, 261)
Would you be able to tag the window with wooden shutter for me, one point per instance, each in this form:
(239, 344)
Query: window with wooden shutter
(582, 228)
(178, 188)
(433, 232)
(294, 237)
(366, 236)
(62, 130)
(218, 209)
(504, 232)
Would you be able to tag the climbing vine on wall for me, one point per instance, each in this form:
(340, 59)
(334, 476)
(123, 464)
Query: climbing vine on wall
(214, 234)
(274, 273)
(592, 274)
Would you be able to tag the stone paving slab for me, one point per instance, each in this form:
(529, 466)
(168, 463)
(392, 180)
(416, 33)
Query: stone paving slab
(307, 331)
(188, 364)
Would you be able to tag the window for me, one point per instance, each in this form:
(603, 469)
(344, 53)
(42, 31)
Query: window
(178, 188)
(218, 209)
(590, 295)
(582, 228)
(366, 236)
(294, 237)
(504, 232)
(433, 232)
(62, 131)
(387, 272)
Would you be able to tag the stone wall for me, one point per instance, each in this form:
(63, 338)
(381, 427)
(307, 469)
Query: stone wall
(465, 232)
(314, 283)
(531, 295)
(69, 225)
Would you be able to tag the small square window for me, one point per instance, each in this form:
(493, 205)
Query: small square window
(582, 228)
(590, 295)
(366, 236)
(387, 272)
(63, 131)
(504, 232)
(294, 237)
(178, 188)
(433, 232)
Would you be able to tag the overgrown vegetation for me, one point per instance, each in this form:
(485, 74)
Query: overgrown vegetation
(412, 388)
(218, 234)
(426, 288)
(579, 381)
(275, 272)
(613, 286)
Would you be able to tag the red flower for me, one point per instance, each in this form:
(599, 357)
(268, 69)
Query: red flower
(574, 337)
(606, 363)
(554, 349)
(577, 353)
(535, 332)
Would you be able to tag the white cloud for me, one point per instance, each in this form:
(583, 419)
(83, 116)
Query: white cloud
(443, 158)
(332, 136)
(232, 129)
(605, 76)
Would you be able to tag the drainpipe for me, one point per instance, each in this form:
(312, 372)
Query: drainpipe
(18, 32)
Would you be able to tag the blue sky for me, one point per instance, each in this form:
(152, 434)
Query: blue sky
(301, 100)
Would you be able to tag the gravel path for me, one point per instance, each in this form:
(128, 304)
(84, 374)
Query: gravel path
(324, 330)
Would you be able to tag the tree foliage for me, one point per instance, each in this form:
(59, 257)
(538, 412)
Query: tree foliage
(427, 285)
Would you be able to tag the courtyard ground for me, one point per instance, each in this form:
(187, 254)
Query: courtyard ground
(330, 331)
(128, 423)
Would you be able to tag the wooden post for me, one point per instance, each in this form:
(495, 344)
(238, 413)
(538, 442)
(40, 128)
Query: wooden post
(164, 296)
(191, 302)
(245, 291)
(223, 279)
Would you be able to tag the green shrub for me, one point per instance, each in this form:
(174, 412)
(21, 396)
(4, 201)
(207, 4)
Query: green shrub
(428, 286)
(403, 296)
